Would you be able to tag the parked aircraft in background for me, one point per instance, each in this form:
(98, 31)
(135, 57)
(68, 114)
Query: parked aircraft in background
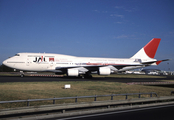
(76, 66)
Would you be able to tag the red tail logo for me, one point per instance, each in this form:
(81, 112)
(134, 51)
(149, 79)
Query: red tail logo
(151, 48)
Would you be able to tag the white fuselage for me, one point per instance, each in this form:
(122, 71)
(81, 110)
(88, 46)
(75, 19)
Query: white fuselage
(48, 62)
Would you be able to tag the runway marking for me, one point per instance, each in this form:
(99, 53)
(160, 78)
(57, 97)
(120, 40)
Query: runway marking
(94, 115)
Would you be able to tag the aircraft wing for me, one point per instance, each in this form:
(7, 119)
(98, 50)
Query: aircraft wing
(83, 69)
(93, 68)
(96, 67)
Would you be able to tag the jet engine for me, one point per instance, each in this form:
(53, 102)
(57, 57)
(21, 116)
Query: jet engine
(104, 71)
(72, 72)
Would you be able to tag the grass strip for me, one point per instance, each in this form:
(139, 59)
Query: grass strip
(41, 90)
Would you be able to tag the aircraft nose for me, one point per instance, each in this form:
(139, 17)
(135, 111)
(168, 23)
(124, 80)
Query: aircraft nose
(4, 62)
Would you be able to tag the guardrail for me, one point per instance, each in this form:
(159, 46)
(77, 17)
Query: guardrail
(78, 97)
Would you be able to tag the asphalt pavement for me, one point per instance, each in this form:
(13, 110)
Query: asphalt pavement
(106, 79)
(148, 113)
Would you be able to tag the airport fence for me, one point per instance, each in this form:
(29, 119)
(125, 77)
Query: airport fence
(78, 97)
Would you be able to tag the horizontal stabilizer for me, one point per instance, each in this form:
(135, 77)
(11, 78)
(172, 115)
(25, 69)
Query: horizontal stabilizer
(157, 61)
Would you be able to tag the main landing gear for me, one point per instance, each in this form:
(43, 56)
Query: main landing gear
(87, 76)
(21, 73)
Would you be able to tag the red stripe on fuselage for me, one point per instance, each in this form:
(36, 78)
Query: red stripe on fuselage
(103, 64)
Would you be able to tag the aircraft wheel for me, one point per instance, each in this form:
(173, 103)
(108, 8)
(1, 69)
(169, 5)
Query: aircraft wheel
(22, 75)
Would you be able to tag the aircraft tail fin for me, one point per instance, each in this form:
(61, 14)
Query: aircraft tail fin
(149, 50)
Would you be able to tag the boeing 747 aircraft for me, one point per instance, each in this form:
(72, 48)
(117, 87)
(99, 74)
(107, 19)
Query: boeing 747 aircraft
(76, 66)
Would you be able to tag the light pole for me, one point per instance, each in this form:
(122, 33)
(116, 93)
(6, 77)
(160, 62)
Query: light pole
(168, 67)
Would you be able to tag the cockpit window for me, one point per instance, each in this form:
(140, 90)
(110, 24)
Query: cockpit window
(17, 55)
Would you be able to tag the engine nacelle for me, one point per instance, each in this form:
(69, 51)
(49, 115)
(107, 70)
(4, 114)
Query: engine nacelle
(73, 72)
(104, 71)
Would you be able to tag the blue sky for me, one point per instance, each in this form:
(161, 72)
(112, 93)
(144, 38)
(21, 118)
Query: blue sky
(88, 28)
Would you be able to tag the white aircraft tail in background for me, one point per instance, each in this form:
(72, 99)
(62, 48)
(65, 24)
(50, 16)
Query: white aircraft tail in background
(76, 66)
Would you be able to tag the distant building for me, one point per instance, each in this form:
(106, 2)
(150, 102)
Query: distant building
(152, 71)
(134, 72)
